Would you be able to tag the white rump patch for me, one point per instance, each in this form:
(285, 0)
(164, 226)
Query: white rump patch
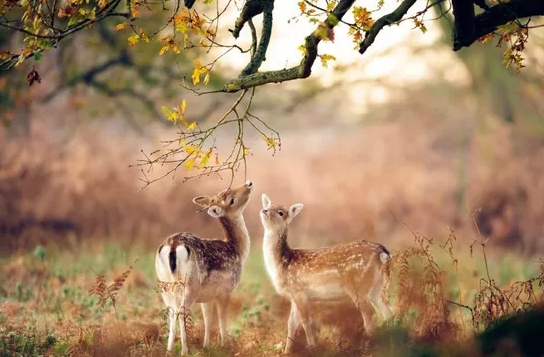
(384, 257)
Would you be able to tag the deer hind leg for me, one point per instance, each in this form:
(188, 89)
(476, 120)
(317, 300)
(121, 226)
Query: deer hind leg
(292, 325)
(303, 308)
(378, 294)
(172, 328)
(358, 292)
(222, 308)
(207, 311)
(171, 301)
(190, 294)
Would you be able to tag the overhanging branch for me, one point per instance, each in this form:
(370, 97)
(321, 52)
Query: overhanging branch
(383, 21)
(498, 15)
(304, 69)
(463, 25)
(259, 55)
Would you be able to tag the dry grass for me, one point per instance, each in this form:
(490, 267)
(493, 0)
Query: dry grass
(89, 302)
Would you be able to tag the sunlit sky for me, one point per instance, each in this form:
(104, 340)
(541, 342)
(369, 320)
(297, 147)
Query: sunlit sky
(391, 55)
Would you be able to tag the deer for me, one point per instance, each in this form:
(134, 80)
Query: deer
(359, 270)
(194, 270)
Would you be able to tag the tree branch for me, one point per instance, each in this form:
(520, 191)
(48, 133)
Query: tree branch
(498, 15)
(259, 56)
(304, 69)
(251, 9)
(383, 21)
(463, 20)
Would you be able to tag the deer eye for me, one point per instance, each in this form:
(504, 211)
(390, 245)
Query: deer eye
(232, 201)
(280, 213)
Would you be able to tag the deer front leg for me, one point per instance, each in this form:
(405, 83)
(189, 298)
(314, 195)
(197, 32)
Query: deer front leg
(301, 302)
(292, 325)
(222, 308)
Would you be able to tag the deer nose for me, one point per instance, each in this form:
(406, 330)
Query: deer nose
(249, 183)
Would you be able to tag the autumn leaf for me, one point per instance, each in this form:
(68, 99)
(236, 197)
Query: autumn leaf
(163, 50)
(363, 18)
(183, 106)
(486, 38)
(270, 142)
(190, 163)
(198, 71)
(302, 6)
(192, 126)
(132, 40)
(325, 58)
(205, 158)
(324, 32)
(172, 116)
(419, 24)
(121, 26)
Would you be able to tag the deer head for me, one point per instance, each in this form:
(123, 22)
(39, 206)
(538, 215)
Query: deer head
(227, 203)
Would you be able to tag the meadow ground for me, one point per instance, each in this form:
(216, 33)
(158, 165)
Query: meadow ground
(50, 304)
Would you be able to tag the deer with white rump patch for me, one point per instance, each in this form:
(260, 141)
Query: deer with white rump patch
(359, 270)
(193, 270)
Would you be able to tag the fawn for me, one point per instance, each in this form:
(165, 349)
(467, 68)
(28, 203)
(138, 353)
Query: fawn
(359, 270)
(194, 270)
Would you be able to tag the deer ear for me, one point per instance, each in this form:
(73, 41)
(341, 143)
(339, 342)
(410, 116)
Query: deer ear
(266, 200)
(215, 211)
(203, 201)
(295, 209)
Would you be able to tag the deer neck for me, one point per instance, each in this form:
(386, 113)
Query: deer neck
(275, 248)
(236, 234)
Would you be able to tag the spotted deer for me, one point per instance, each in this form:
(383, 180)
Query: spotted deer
(206, 271)
(358, 270)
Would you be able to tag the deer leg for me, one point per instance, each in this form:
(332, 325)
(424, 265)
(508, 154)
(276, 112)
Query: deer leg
(222, 308)
(207, 311)
(365, 307)
(190, 295)
(303, 308)
(172, 330)
(292, 325)
(378, 296)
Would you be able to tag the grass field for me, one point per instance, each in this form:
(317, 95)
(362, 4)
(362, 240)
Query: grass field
(47, 308)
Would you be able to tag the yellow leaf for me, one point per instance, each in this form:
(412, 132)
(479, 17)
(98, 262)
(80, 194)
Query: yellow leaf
(302, 49)
(205, 159)
(246, 151)
(331, 5)
(132, 40)
(121, 26)
(195, 76)
(190, 163)
(163, 49)
(325, 58)
(192, 126)
(183, 106)
(302, 6)
(207, 78)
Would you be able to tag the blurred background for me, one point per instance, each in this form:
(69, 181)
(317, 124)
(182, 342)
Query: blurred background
(410, 135)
